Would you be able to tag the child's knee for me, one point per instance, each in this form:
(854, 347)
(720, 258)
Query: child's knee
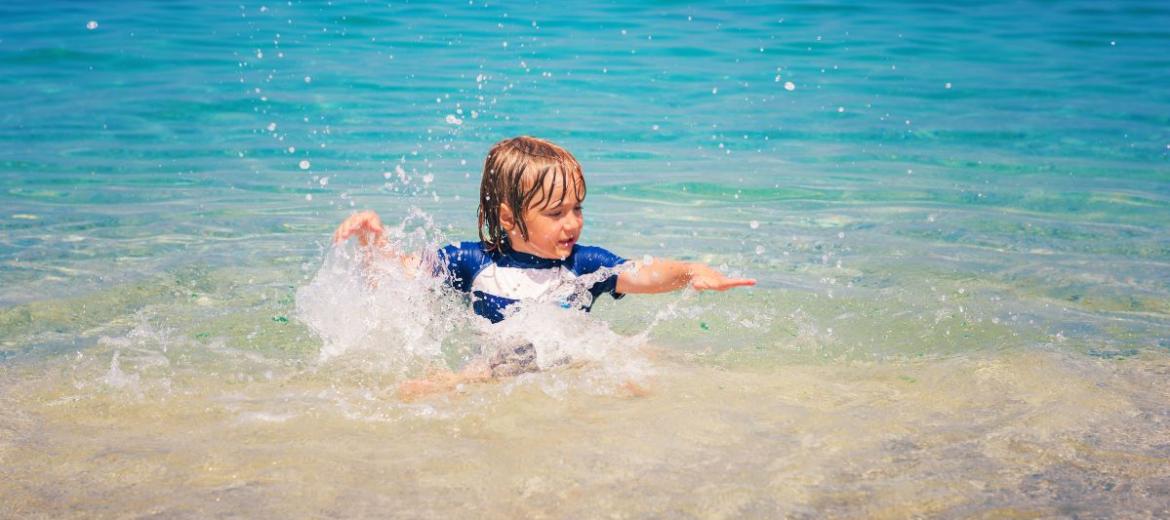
(512, 361)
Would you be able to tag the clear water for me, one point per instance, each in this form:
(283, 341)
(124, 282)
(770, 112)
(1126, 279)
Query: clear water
(958, 217)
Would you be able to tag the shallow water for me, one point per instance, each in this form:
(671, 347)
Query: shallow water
(958, 218)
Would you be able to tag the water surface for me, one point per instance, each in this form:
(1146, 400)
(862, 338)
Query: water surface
(957, 216)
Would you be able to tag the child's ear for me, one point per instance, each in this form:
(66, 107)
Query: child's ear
(507, 218)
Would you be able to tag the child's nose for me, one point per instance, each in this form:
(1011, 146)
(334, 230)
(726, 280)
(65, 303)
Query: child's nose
(573, 222)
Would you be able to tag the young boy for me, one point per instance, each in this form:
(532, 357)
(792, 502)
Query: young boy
(530, 219)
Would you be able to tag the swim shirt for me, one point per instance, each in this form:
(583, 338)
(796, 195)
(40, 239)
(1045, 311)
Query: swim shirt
(496, 280)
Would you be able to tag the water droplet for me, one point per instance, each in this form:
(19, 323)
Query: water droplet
(948, 85)
(91, 25)
(271, 127)
(715, 90)
(789, 86)
(654, 127)
(324, 181)
(760, 250)
(840, 109)
(308, 79)
(452, 120)
(309, 197)
(755, 224)
(305, 165)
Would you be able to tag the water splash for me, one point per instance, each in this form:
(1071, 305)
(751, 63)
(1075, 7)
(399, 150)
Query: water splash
(389, 312)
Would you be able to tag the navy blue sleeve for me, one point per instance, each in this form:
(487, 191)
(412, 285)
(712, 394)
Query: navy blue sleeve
(589, 259)
(460, 263)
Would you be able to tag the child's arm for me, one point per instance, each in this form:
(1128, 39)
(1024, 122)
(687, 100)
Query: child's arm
(669, 275)
(367, 227)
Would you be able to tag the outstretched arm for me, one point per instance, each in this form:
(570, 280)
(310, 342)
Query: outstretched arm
(669, 275)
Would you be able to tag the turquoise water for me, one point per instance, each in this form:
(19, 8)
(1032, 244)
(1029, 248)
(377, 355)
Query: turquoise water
(958, 217)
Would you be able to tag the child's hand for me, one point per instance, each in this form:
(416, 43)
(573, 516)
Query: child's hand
(704, 278)
(365, 224)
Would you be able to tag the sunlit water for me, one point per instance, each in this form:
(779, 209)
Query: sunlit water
(958, 218)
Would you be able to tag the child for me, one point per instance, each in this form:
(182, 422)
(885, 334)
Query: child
(530, 219)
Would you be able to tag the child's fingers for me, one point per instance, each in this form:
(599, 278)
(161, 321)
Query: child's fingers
(735, 282)
(724, 284)
(344, 231)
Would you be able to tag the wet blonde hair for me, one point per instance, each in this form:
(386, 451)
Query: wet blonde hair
(515, 174)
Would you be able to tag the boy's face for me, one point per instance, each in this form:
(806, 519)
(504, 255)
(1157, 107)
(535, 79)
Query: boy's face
(553, 228)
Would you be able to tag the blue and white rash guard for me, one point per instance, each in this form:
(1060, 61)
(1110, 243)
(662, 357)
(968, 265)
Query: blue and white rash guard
(497, 279)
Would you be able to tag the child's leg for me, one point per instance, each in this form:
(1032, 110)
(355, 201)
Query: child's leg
(443, 380)
(506, 362)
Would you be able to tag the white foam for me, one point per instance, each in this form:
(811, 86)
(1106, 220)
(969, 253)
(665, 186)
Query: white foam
(391, 316)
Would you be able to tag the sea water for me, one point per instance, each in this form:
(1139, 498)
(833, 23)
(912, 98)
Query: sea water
(958, 217)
